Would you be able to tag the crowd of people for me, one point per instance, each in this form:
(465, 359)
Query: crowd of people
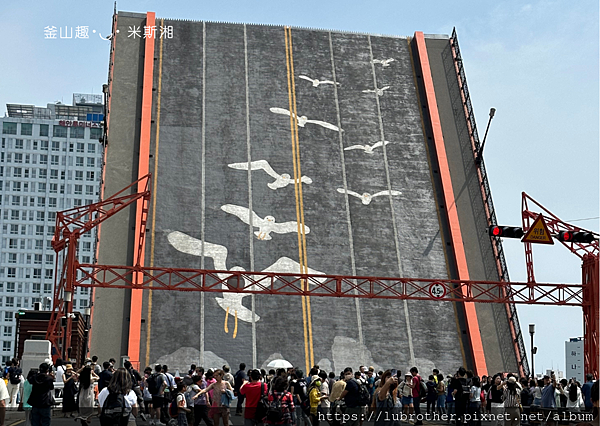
(124, 396)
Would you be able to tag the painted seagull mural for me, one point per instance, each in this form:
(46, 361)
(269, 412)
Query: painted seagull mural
(218, 253)
(366, 198)
(265, 226)
(384, 62)
(378, 92)
(368, 149)
(302, 121)
(281, 181)
(315, 82)
(231, 301)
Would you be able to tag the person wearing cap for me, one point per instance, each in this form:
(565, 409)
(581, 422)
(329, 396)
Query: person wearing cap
(69, 405)
(314, 397)
(512, 402)
(405, 389)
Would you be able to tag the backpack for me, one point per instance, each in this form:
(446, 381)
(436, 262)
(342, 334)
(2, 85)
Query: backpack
(114, 410)
(153, 384)
(173, 409)
(422, 388)
(15, 376)
(274, 412)
(364, 397)
(263, 404)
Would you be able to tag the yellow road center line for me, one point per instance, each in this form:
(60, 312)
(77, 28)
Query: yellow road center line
(293, 126)
(304, 261)
(154, 180)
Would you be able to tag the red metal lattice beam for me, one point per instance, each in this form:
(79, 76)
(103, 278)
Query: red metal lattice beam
(192, 280)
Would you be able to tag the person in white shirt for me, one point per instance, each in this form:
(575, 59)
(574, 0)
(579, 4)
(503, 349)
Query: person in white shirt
(574, 396)
(120, 383)
(4, 396)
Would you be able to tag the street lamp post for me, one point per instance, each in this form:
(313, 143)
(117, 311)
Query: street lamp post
(531, 333)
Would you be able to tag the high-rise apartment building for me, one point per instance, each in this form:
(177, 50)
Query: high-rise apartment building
(50, 160)
(574, 358)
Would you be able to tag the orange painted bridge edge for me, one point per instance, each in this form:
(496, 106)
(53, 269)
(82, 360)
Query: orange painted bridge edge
(135, 315)
(452, 214)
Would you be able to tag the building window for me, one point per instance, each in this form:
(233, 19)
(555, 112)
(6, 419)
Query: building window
(48, 274)
(78, 175)
(78, 189)
(26, 129)
(41, 202)
(43, 174)
(43, 159)
(79, 161)
(17, 186)
(95, 133)
(54, 160)
(52, 202)
(19, 144)
(36, 287)
(47, 288)
(51, 216)
(16, 200)
(6, 345)
(83, 303)
(7, 332)
(49, 259)
(18, 158)
(43, 130)
(9, 128)
(44, 145)
(39, 230)
(91, 148)
(80, 147)
(77, 132)
(41, 216)
(14, 215)
(14, 229)
(17, 172)
(89, 176)
(39, 244)
(11, 272)
(37, 259)
(12, 257)
(54, 188)
(91, 162)
(13, 243)
(60, 131)
(9, 302)
(10, 287)
(53, 174)
(50, 230)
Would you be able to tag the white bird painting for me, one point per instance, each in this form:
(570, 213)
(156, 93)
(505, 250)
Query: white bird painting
(368, 149)
(384, 62)
(265, 226)
(302, 121)
(281, 180)
(232, 302)
(316, 82)
(378, 92)
(366, 198)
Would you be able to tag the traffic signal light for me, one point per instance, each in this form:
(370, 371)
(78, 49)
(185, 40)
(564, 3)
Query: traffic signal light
(575, 237)
(505, 231)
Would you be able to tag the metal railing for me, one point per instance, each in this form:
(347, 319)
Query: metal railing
(487, 194)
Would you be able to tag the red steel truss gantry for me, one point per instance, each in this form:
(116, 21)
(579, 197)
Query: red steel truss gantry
(588, 253)
(71, 224)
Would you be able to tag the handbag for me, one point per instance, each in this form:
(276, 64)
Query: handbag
(263, 404)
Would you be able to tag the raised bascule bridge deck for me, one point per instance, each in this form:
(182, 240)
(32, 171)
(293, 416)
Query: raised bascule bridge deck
(284, 149)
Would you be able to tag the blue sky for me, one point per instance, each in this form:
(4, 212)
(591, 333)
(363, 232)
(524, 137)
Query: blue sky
(536, 63)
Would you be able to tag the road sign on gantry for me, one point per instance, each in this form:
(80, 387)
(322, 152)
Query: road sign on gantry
(538, 233)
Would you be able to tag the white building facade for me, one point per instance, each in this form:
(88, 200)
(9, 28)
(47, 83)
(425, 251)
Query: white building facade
(574, 359)
(50, 160)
